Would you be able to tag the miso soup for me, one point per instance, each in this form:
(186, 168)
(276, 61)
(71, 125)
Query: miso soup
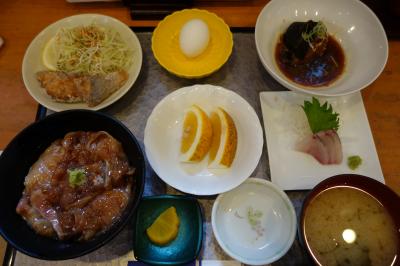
(346, 226)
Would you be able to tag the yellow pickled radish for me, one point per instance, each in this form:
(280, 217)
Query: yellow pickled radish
(165, 228)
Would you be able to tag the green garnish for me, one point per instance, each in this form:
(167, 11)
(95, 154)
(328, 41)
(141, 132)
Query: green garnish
(253, 217)
(76, 177)
(319, 31)
(320, 117)
(353, 162)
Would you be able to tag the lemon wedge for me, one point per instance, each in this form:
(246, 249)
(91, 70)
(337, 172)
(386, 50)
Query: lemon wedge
(196, 135)
(49, 55)
(224, 142)
(165, 228)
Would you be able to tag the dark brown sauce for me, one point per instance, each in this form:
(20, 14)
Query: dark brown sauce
(319, 72)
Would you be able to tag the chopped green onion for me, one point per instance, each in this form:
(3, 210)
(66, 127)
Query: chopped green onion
(76, 177)
(319, 31)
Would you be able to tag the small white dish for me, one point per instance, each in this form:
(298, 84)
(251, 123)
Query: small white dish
(351, 22)
(32, 62)
(270, 237)
(285, 123)
(162, 137)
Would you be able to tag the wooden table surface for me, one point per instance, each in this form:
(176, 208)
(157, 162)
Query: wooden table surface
(21, 21)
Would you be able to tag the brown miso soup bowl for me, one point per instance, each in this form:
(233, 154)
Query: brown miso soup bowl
(326, 225)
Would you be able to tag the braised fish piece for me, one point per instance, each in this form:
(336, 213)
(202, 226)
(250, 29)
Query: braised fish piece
(306, 40)
(71, 88)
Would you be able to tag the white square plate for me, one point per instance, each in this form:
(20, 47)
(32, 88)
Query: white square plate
(286, 123)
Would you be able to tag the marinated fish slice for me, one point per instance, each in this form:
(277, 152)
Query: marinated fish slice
(101, 212)
(43, 170)
(41, 202)
(34, 218)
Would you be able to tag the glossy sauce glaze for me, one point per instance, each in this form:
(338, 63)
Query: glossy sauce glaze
(54, 207)
(346, 226)
(321, 71)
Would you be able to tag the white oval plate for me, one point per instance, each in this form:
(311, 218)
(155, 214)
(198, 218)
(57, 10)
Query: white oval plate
(277, 224)
(351, 22)
(32, 62)
(163, 132)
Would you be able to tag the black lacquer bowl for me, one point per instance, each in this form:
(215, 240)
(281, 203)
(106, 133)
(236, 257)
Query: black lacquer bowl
(381, 193)
(26, 148)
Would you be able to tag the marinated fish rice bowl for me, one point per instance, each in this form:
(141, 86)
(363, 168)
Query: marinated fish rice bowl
(94, 193)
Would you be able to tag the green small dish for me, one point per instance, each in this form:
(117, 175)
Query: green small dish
(185, 247)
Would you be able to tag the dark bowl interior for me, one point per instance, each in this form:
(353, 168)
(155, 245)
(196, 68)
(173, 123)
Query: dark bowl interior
(389, 199)
(26, 148)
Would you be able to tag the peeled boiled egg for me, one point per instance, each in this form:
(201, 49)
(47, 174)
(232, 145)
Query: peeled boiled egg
(194, 37)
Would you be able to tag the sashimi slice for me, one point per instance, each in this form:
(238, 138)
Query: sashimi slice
(329, 143)
(324, 146)
(338, 148)
(314, 146)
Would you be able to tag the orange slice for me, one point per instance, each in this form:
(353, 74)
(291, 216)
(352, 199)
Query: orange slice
(224, 142)
(196, 135)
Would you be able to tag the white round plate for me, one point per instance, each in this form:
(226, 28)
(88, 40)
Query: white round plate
(351, 22)
(258, 244)
(32, 62)
(162, 137)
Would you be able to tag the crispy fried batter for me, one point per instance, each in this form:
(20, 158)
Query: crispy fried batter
(70, 88)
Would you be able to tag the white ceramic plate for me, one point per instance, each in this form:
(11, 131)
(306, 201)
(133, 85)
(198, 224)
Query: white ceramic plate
(286, 123)
(351, 22)
(259, 244)
(32, 62)
(163, 132)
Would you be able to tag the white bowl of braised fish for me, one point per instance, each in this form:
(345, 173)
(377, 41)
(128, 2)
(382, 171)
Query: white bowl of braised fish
(70, 183)
(321, 47)
(86, 61)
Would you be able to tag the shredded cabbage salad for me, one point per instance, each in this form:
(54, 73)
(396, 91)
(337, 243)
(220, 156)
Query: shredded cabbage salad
(91, 50)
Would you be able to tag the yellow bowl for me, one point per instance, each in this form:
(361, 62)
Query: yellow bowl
(166, 49)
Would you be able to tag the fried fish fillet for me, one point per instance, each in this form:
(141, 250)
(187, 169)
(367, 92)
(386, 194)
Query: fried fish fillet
(71, 88)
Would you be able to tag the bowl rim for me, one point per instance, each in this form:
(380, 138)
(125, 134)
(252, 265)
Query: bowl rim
(123, 223)
(282, 196)
(200, 228)
(382, 193)
(324, 90)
